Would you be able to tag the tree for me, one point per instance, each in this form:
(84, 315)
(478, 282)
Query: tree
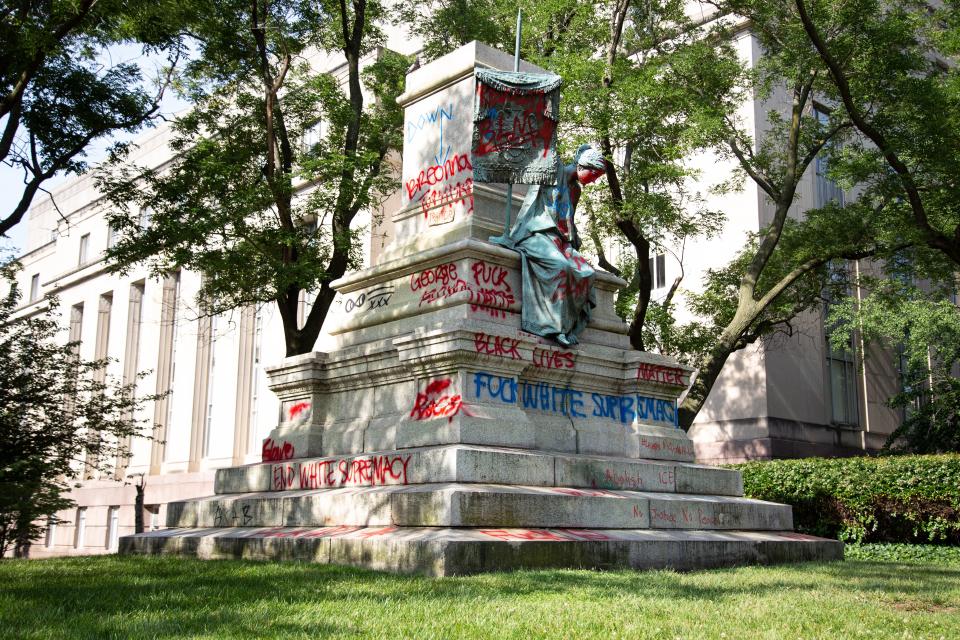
(61, 418)
(890, 76)
(654, 88)
(449, 24)
(273, 162)
(923, 326)
(56, 93)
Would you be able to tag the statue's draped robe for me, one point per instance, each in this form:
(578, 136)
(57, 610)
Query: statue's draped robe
(557, 281)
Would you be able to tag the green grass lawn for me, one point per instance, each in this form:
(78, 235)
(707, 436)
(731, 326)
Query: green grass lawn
(112, 597)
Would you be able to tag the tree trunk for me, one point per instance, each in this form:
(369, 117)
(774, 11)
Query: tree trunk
(645, 287)
(709, 371)
(22, 547)
(712, 365)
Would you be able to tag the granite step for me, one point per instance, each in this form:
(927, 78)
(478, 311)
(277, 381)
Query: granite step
(481, 505)
(446, 551)
(476, 464)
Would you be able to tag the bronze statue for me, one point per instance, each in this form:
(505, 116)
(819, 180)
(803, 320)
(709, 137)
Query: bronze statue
(557, 280)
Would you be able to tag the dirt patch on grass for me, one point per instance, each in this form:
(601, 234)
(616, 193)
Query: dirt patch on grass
(923, 605)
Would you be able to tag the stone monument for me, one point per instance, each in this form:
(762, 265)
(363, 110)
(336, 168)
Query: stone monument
(440, 438)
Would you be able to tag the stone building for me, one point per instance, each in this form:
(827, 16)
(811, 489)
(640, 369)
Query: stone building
(218, 409)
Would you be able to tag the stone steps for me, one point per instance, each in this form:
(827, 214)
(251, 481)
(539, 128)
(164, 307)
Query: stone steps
(476, 464)
(480, 505)
(444, 551)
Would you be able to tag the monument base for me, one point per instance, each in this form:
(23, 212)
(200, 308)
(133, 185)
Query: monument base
(448, 551)
(461, 509)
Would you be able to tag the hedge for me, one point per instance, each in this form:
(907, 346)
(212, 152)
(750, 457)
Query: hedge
(909, 498)
(898, 552)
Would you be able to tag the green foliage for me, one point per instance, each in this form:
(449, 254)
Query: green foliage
(829, 231)
(57, 95)
(922, 325)
(641, 105)
(449, 24)
(891, 59)
(274, 161)
(60, 417)
(689, 342)
(898, 552)
(885, 71)
(785, 267)
(933, 416)
(882, 499)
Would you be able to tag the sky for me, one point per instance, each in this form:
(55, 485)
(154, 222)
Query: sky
(11, 179)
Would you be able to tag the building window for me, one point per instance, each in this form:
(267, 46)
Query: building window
(256, 374)
(113, 528)
(146, 217)
(171, 302)
(51, 537)
(76, 325)
(913, 383)
(843, 385)
(211, 388)
(313, 136)
(35, 287)
(841, 364)
(826, 189)
(174, 334)
(84, 249)
(104, 311)
(73, 341)
(658, 271)
(80, 534)
(111, 236)
(131, 353)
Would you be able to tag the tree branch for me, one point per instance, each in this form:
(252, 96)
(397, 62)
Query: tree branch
(601, 254)
(676, 281)
(10, 130)
(821, 143)
(616, 33)
(15, 95)
(59, 162)
(771, 237)
(935, 238)
(755, 174)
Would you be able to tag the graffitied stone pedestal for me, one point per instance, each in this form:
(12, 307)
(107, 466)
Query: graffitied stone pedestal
(440, 438)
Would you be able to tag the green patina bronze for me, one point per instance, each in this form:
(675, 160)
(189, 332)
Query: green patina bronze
(557, 281)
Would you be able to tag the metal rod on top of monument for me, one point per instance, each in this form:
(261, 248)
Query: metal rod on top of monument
(516, 68)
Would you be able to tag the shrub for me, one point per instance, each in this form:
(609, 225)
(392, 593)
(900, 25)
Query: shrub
(870, 499)
(896, 552)
(61, 418)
